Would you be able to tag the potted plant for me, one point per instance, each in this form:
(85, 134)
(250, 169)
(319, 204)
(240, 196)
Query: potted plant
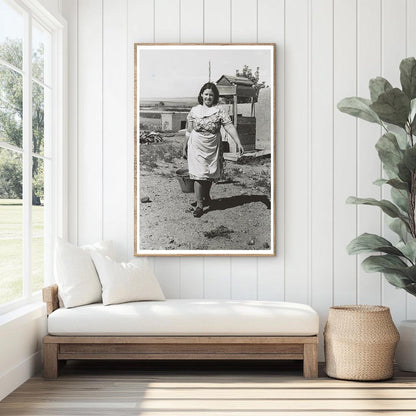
(394, 109)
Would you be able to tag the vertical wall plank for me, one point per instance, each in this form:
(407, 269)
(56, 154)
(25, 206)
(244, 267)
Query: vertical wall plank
(167, 29)
(411, 51)
(394, 38)
(369, 168)
(192, 21)
(271, 270)
(192, 30)
(393, 51)
(70, 12)
(244, 278)
(217, 26)
(217, 23)
(140, 22)
(296, 152)
(167, 273)
(321, 167)
(345, 151)
(140, 30)
(217, 278)
(115, 52)
(243, 21)
(411, 28)
(192, 278)
(244, 29)
(90, 128)
(167, 14)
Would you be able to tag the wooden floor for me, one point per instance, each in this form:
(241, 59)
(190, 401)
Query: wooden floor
(192, 389)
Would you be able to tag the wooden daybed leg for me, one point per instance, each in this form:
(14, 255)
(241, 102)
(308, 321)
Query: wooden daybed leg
(310, 360)
(50, 360)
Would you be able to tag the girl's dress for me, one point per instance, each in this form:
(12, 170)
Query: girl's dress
(204, 154)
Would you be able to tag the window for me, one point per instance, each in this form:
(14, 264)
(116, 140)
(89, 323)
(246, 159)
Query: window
(31, 140)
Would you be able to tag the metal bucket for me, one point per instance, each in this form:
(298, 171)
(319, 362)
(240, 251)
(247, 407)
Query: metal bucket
(186, 184)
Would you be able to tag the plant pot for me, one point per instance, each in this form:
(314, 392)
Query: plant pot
(406, 349)
(360, 341)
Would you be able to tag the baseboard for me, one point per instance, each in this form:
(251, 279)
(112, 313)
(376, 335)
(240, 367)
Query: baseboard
(10, 380)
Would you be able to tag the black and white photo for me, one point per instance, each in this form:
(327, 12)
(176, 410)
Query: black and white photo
(204, 149)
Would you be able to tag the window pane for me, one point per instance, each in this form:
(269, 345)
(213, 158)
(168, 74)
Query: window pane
(41, 46)
(11, 226)
(38, 118)
(38, 229)
(11, 106)
(11, 34)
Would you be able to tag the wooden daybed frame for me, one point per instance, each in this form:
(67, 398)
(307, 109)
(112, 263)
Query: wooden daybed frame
(58, 349)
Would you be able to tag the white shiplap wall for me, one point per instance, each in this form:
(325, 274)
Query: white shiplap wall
(326, 50)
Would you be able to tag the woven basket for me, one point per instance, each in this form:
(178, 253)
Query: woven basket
(360, 341)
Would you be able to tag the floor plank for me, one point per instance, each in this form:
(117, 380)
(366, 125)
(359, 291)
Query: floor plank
(212, 389)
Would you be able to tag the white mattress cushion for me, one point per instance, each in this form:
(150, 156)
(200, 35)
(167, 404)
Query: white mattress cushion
(187, 317)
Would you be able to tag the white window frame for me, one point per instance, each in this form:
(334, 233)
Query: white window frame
(58, 211)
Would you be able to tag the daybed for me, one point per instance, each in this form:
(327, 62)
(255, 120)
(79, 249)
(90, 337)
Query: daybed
(181, 329)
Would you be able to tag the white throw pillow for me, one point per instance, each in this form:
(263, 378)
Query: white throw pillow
(75, 273)
(126, 282)
(104, 247)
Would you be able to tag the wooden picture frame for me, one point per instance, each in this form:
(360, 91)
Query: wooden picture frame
(239, 219)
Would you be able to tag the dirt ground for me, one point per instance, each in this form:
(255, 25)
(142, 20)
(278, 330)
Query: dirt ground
(238, 219)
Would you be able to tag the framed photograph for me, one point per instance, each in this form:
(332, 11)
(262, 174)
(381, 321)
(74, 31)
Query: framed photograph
(204, 117)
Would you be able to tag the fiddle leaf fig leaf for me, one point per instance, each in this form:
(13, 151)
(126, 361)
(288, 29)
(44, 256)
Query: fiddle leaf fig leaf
(400, 198)
(392, 107)
(412, 109)
(408, 249)
(404, 173)
(396, 271)
(390, 173)
(397, 280)
(388, 207)
(414, 126)
(389, 151)
(378, 86)
(400, 228)
(402, 139)
(412, 116)
(395, 183)
(408, 77)
(398, 184)
(359, 107)
(411, 273)
(410, 158)
(411, 251)
(381, 263)
(380, 182)
(411, 289)
(366, 243)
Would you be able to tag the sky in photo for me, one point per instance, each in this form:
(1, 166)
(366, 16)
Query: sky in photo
(171, 73)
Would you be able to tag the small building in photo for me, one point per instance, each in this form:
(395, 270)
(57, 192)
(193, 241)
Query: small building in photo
(162, 120)
(237, 91)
